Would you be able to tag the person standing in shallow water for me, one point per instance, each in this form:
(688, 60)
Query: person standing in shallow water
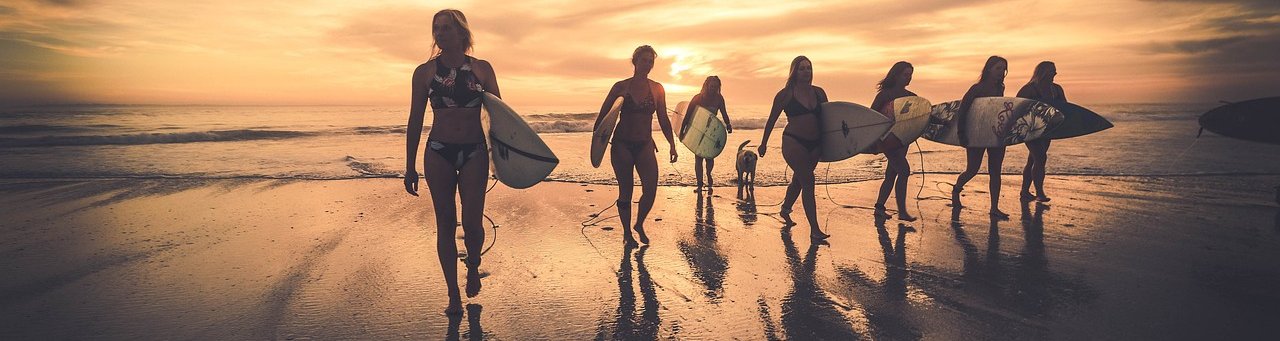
(990, 84)
(458, 159)
(801, 144)
(1040, 88)
(897, 171)
(632, 144)
(711, 99)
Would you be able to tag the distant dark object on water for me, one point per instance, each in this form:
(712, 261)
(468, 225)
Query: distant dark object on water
(1255, 120)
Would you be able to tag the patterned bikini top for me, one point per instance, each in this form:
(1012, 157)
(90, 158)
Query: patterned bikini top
(631, 106)
(455, 87)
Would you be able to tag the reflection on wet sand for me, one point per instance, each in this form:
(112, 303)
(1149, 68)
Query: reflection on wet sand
(702, 252)
(1032, 264)
(289, 263)
(889, 315)
(807, 312)
(474, 331)
(747, 208)
(627, 327)
(1022, 282)
(997, 293)
(895, 260)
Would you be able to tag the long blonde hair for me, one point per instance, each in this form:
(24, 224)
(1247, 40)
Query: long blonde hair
(458, 19)
(1042, 71)
(795, 64)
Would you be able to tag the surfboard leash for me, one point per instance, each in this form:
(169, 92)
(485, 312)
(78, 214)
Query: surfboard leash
(596, 216)
(923, 180)
(827, 187)
(1178, 159)
(492, 225)
(589, 222)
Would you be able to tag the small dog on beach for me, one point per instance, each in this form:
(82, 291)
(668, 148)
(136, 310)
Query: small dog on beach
(746, 166)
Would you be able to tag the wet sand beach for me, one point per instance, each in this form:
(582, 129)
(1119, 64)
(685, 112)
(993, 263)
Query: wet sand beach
(226, 171)
(1111, 257)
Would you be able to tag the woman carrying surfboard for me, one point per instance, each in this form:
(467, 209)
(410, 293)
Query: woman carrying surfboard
(633, 146)
(896, 173)
(711, 99)
(990, 84)
(801, 147)
(458, 160)
(1041, 88)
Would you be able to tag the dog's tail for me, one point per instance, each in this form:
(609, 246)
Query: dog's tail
(743, 145)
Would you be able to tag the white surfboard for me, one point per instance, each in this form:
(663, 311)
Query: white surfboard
(849, 129)
(910, 117)
(677, 117)
(600, 136)
(520, 158)
(703, 133)
(988, 126)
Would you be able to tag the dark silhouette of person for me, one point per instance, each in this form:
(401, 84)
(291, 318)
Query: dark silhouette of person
(801, 143)
(711, 99)
(897, 170)
(990, 84)
(1040, 88)
(641, 100)
(458, 160)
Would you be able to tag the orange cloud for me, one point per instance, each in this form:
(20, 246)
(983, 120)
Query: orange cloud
(568, 53)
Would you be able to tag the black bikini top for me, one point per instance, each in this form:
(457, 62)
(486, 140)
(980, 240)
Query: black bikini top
(455, 87)
(794, 108)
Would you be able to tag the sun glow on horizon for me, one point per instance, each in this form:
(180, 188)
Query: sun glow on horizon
(157, 52)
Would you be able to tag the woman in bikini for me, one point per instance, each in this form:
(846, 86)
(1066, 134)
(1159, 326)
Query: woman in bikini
(1040, 88)
(896, 173)
(633, 147)
(458, 163)
(711, 99)
(990, 84)
(801, 146)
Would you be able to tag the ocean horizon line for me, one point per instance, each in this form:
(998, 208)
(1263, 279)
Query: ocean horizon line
(232, 105)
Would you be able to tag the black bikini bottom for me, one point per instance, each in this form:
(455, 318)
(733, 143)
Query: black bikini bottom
(808, 144)
(635, 147)
(457, 153)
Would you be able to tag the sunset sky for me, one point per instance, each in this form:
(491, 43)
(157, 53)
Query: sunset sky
(568, 53)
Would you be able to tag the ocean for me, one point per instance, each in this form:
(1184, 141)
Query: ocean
(349, 142)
